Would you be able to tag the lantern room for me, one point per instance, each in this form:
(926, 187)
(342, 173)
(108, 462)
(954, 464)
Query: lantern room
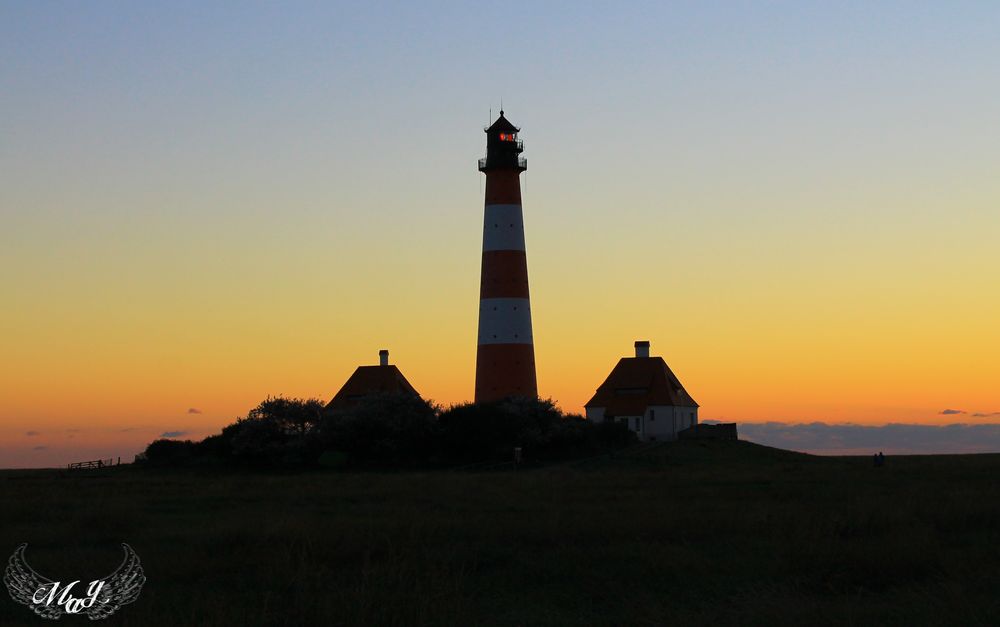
(503, 148)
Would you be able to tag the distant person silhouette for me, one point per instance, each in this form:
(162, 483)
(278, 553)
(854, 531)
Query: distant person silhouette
(875, 460)
(881, 459)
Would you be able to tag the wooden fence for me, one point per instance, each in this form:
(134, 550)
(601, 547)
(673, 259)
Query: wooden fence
(97, 463)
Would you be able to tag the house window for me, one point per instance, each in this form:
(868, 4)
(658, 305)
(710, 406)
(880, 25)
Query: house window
(637, 424)
(652, 415)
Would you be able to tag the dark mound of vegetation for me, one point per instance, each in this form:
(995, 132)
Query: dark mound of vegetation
(393, 431)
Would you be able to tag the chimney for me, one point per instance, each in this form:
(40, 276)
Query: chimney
(642, 348)
(383, 357)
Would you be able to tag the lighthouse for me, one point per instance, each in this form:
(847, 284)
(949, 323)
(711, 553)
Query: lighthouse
(505, 358)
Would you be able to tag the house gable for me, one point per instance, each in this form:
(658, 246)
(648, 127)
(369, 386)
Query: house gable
(637, 383)
(369, 381)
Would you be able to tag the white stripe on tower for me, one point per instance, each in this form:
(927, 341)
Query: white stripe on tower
(504, 321)
(503, 228)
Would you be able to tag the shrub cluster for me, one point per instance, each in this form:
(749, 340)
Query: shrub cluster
(393, 431)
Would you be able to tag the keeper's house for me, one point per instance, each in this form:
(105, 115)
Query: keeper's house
(643, 392)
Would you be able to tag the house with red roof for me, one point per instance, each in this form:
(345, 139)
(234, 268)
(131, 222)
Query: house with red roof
(371, 381)
(644, 393)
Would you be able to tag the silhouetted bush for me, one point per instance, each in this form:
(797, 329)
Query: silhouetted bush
(216, 446)
(490, 431)
(386, 429)
(169, 452)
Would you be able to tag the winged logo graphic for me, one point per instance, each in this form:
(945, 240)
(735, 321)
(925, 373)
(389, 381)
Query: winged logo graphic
(50, 599)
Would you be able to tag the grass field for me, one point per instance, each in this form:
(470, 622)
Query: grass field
(722, 533)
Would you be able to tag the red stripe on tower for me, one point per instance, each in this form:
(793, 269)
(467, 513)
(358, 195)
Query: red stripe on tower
(505, 359)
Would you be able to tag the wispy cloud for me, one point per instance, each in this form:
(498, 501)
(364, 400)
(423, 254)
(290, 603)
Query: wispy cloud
(41, 448)
(985, 415)
(819, 437)
(32, 434)
(173, 434)
(194, 410)
(951, 412)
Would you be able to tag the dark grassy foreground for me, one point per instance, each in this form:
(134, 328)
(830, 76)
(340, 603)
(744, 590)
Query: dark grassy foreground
(686, 534)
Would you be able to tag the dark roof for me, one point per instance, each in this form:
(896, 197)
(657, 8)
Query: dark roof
(368, 381)
(502, 125)
(637, 383)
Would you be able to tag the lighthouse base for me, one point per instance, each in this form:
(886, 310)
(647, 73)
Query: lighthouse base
(505, 370)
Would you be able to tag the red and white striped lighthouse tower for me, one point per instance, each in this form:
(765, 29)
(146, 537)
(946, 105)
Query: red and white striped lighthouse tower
(505, 360)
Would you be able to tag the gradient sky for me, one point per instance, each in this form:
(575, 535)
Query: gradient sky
(203, 204)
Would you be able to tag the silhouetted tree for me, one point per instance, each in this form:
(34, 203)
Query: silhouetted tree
(278, 431)
(293, 416)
